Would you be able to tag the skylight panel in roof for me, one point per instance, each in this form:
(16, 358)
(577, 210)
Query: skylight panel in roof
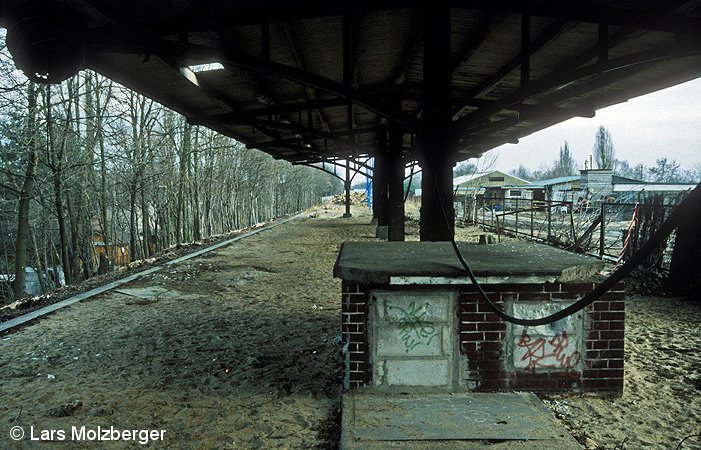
(208, 67)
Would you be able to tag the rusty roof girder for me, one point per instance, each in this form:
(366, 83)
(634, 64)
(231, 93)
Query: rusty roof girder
(557, 80)
(590, 12)
(192, 51)
(574, 56)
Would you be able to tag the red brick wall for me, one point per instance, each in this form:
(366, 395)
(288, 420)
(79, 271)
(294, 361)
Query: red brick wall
(482, 334)
(603, 370)
(354, 312)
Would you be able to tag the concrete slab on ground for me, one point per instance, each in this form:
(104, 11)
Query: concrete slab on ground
(382, 262)
(373, 420)
(144, 293)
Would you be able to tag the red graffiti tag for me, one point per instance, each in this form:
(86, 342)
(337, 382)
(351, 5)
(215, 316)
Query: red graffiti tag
(549, 354)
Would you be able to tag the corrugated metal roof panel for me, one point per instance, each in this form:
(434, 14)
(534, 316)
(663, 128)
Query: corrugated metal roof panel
(306, 64)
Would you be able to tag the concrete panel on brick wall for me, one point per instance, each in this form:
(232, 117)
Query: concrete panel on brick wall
(413, 338)
(419, 339)
(535, 310)
(405, 307)
(415, 372)
(558, 346)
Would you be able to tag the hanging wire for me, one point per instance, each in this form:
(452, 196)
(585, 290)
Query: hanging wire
(655, 241)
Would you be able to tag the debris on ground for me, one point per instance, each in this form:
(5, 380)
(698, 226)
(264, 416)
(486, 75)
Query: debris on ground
(357, 198)
(236, 355)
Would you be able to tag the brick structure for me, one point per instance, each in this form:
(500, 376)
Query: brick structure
(550, 365)
(412, 320)
(501, 356)
(354, 329)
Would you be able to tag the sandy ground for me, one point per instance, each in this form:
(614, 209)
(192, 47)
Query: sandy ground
(241, 349)
(661, 402)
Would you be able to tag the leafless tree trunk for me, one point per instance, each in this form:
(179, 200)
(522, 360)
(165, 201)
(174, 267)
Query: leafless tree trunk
(55, 163)
(194, 190)
(25, 196)
(184, 156)
(106, 238)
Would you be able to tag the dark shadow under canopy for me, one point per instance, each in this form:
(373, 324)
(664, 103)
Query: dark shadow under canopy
(313, 81)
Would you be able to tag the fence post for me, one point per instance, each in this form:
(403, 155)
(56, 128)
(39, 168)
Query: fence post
(602, 235)
(484, 206)
(574, 235)
(550, 216)
(636, 234)
(531, 219)
(498, 231)
(516, 229)
(464, 209)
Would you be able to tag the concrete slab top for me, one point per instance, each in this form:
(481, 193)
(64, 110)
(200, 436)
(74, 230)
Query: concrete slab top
(380, 262)
(464, 420)
(146, 293)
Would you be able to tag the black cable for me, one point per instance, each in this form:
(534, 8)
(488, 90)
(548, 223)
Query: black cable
(622, 445)
(684, 440)
(643, 253)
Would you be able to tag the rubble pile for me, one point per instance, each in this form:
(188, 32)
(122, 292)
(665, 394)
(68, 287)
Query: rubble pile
(357, 198)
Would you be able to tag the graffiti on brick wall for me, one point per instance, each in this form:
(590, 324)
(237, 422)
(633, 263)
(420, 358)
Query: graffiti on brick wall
(548, 352)
(413, 330)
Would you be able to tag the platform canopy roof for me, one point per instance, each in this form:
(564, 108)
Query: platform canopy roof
(308, 81)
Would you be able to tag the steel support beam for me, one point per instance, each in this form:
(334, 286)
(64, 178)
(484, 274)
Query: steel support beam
(312, 94)
(237, 118)
(347, 187)
(324, 169)
(479, 35)
(256, 15)
(295, 107)
(491, 82)
(436, 136)
(685, 268)
(379, 181)
(191, 52)
(395, 185)
(559, 79)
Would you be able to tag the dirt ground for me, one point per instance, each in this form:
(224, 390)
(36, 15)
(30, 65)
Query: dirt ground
(661, 402)
(241, 348)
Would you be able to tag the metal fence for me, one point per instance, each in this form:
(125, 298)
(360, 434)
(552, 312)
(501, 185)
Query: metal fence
(608, 230)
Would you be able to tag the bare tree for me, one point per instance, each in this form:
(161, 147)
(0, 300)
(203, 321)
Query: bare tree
(464, 168)
(624, 169)
(118, 161)
(565, 165)
(25, 195)
(604, 153)
(55, 162)
(522, 172)
(665, 171)
(696, 173)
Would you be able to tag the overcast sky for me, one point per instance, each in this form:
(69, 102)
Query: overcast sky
(665, 123)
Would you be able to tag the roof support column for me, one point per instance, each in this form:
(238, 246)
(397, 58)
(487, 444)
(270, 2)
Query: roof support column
(436, 136)
(395, 185)
(685, 268)
(379, 182)
(347, 187)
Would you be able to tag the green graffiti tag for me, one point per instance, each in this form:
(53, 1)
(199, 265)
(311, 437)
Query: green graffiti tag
(414, 331)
